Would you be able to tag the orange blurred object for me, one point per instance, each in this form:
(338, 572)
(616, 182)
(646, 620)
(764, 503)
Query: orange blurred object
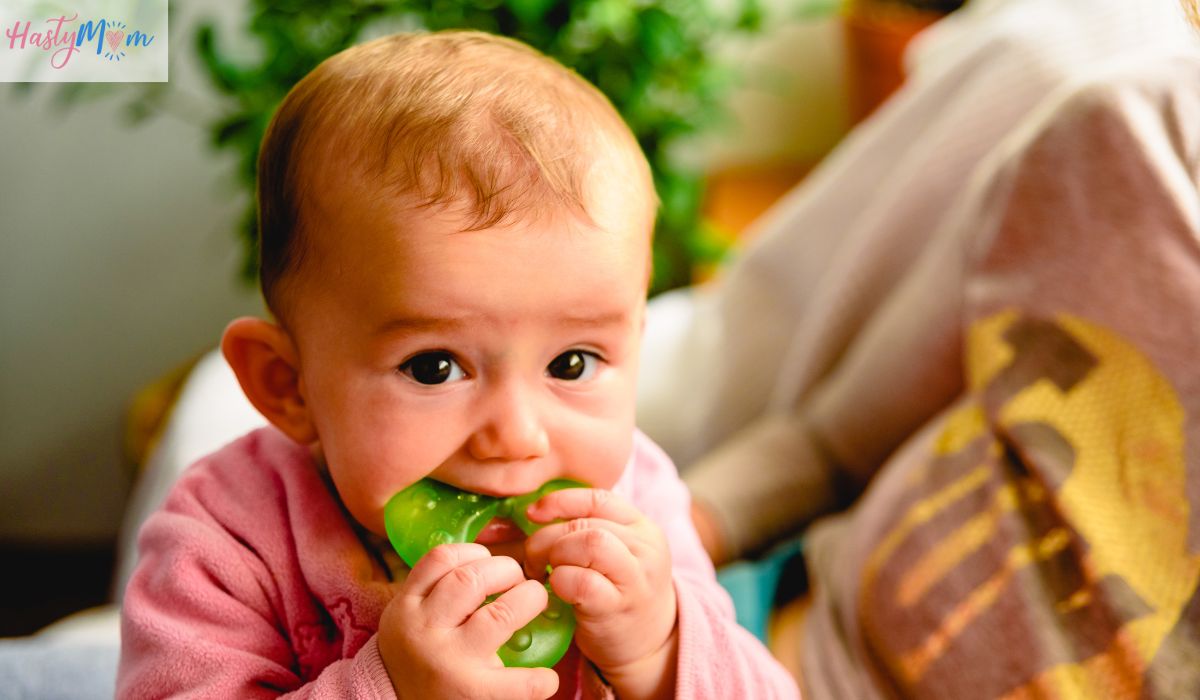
(736, 195)
(876, 32)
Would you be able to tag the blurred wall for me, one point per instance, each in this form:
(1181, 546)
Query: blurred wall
(118, 258)
(790, 106)
(117, 263)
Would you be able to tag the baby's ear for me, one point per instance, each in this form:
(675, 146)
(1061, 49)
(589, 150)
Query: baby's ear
(266, 363)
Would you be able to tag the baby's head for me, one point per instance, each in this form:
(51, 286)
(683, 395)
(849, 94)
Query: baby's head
(455, 242)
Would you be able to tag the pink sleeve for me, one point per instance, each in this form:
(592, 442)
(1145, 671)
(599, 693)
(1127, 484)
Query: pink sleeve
(361, 677)
(201, 619)
(718, 659)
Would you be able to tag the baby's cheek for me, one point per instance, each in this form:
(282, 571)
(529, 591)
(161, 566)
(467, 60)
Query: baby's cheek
(604, 461)
(360, 502)
(366, 478)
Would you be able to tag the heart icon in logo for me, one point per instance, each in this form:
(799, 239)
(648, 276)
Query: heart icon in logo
(114, 38)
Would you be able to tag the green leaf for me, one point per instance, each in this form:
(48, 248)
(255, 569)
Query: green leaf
(223, 75)
(529, 11)
(231, 128)
(660, 36)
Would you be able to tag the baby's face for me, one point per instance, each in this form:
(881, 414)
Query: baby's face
(492, 360)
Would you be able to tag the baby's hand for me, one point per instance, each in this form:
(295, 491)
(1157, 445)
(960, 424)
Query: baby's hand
(613, 565)
(435, 640)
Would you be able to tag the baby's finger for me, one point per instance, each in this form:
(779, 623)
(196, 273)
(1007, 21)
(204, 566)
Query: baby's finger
(440, 561)
(491, 626)
(539, 545)
(588, 590)
(569, 504)
(602, 552)
(518, 683)
(464, 588)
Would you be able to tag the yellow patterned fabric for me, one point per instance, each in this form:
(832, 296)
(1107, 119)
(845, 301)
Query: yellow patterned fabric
(1064, 472)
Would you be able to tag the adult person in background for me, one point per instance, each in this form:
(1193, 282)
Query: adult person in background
(766, 437)
(1032, 527)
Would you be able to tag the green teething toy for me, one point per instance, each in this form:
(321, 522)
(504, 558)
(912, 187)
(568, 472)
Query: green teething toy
(430, 513)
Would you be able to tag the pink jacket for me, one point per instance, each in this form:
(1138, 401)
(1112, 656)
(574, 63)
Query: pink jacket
(253, 583)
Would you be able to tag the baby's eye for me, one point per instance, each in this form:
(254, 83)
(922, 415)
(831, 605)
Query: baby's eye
(433, 368)
(573, 365)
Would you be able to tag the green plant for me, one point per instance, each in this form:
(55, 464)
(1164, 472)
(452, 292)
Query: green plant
(651, 57)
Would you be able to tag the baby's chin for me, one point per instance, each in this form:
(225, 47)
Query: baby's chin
(503, 539)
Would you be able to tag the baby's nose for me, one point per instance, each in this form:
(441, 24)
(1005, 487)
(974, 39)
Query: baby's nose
(511, 430)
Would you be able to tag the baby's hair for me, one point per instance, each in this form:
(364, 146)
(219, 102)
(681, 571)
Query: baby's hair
(455, 119)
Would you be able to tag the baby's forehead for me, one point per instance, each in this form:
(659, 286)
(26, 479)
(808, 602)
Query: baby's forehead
(422, 258)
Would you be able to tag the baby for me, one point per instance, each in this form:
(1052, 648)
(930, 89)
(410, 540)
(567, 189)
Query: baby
(455, 245)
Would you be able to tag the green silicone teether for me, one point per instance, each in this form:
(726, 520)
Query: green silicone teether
(430, 513)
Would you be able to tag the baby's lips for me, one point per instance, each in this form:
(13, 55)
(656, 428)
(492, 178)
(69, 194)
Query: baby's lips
(499, 530)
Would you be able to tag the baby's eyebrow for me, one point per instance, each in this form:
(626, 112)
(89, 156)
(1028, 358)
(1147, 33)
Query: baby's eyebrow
(411, 324)
(606, 318)
(419, 323)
